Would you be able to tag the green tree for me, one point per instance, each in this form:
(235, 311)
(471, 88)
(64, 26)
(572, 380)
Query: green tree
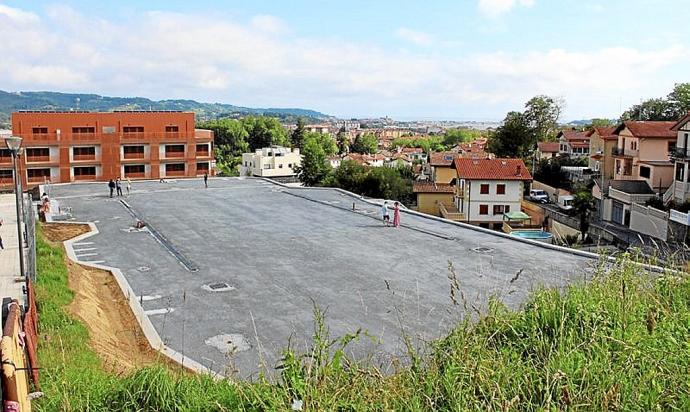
(673, 107)
(542, 114)
(343, 141)
(680, 97)
(297, 136)
(515, 138)
(601, 123)
(366, 143)
(230, 141)
(314, 169)
(264, 132)
(453, 137)
(327, 143)
(583, 204)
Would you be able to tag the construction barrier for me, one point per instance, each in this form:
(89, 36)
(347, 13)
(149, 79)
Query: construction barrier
(15, 376)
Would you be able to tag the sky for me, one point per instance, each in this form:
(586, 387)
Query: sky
(440, 59)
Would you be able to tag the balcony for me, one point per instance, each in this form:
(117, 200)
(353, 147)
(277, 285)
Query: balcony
(680, 153)
(81, 178)
(81, 137)
(174, 155)
(174, 173)
(617, 152)
(38, 179)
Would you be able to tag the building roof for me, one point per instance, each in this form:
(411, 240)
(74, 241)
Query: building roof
(648, 129)
(573, 135)
(442, 158)
(548, 147)
(682, 122)
(492, 169)
(605, 133)
(636, 187)
(431, 187)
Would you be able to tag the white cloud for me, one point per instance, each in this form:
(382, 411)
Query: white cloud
(494, 8)
(247, 63)
(413, 36)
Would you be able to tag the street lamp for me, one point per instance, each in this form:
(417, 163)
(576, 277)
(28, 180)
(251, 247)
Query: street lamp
(14, 143)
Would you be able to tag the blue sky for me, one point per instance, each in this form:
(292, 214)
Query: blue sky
(471, 59)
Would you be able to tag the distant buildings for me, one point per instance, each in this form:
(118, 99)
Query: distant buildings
(548, 150)
(573, 143)
(275, 161)
(61, 147)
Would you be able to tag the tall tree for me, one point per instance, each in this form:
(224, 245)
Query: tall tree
(314, 168)
(673, 107)
(514, 138)
(583, 204)
(326, 141)
(542, 114)
(452, 137)
(366, 143)
(297, 136)
(264, 131)
(343, 141)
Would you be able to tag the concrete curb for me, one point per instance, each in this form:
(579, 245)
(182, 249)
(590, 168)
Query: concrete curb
(575, 252)
(147, 327)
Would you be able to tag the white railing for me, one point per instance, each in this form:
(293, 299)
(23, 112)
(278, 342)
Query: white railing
(680, 217)
(668, 194)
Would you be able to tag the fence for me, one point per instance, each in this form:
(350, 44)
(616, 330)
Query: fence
(649, 221)
(30, 237)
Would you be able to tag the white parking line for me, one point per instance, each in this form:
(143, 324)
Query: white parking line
(158, 311)
(83, 243)
(93, 261)
(84, 250)
(87, 254)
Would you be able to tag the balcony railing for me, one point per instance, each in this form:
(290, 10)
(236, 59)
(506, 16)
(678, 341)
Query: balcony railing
(37, 159)
(38, 179)
(135, 175)
(5, 160)
(450, 212)
(617, 151)
(134, 155)
(6, 180)
(174, 155)
(174, 173)
(680, 153)
(80, 157)
(81, 137)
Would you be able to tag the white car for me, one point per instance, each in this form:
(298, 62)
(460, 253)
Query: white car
(539, 196)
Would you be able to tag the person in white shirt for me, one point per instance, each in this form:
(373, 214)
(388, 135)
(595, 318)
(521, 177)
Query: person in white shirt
(386, 214)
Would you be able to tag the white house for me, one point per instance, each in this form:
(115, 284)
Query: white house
(680, 188)
(488, 188)
(275, 161)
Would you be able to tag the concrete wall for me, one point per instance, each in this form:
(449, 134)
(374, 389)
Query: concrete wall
(535, 212)
(649, 221)
(428, 202)
(444, 174)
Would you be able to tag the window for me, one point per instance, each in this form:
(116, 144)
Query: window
(6, 176)
(85, 171)
(174, 167)
(680, 172)
(483, 209)
(202, 148)
(202, 167)
(498, 210)
(131, 170)
(280, 166)
(175, 148)
(633, 145)
(84, 151)
(671, 147)
(133, 129)
(484, 189)
(5, 155)
(37, 152)
(133, 149)
(645, 172)
(171, 129)
(501, 189)
(506, 209)
(38, 173)
(290, 165)
(39, 130)
(78, 130)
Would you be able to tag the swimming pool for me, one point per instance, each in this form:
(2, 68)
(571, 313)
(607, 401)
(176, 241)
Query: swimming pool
(538, 235)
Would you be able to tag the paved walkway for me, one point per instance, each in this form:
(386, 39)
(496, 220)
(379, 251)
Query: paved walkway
(9, 257)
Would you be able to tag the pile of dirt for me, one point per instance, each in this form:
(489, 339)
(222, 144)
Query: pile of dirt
(59, 232)
(98, 302)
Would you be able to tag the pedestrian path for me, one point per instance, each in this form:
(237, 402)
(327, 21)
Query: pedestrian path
(9, 257)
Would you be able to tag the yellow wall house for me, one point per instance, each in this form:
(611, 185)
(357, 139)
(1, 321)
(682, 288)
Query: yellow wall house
(432, 197)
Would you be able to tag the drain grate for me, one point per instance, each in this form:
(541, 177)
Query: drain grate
(218, 287)
(482, 249)
(143, 268)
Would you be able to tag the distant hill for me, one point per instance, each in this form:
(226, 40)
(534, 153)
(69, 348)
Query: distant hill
(13, 101)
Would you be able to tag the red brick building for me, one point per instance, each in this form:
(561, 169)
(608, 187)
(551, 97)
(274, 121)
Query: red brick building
(63, 147)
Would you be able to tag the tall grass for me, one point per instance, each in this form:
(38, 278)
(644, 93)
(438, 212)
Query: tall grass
(619, 342)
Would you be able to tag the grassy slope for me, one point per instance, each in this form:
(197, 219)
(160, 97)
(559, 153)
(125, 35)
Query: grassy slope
(621, 342)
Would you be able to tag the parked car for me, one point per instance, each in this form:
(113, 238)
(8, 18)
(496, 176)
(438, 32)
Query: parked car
(565, 202)
(539, 196)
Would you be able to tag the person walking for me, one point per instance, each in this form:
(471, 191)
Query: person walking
(386, 214)
(118, 186)
(206, 180)
(396, 215)
(1, 245)
(111, 185)
(128, 186)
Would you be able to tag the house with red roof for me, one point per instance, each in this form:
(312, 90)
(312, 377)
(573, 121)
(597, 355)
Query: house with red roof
(642, 152)
(487, 188)
(602, 140)
(548, 150)
(573, 143)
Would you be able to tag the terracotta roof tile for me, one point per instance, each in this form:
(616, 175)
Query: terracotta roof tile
(431, 187)
(648, 129)
(492, 169)
(548, 147)
(442, 158)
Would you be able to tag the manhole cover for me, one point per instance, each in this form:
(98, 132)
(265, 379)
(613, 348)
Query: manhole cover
(229, 343)
(218, 287)
(143, 268)
(482, 249)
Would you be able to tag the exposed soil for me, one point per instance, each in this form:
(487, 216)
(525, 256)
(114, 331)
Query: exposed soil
(114, 332)
(59, 232)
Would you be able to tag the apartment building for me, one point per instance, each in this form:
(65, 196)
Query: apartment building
(62, 147)
(642, 153)
(488, 188)
(275, 161)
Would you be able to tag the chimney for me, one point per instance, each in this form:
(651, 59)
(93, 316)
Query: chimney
(518, 170)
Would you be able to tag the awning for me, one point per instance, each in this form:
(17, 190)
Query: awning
(516, 215)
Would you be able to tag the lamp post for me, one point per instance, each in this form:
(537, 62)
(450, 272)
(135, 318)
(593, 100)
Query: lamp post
(13, 144)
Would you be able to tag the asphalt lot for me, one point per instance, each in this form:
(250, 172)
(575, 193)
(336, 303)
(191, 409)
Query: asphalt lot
(283, 252)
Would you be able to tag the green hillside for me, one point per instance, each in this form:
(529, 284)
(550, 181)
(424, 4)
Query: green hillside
(13, 101)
